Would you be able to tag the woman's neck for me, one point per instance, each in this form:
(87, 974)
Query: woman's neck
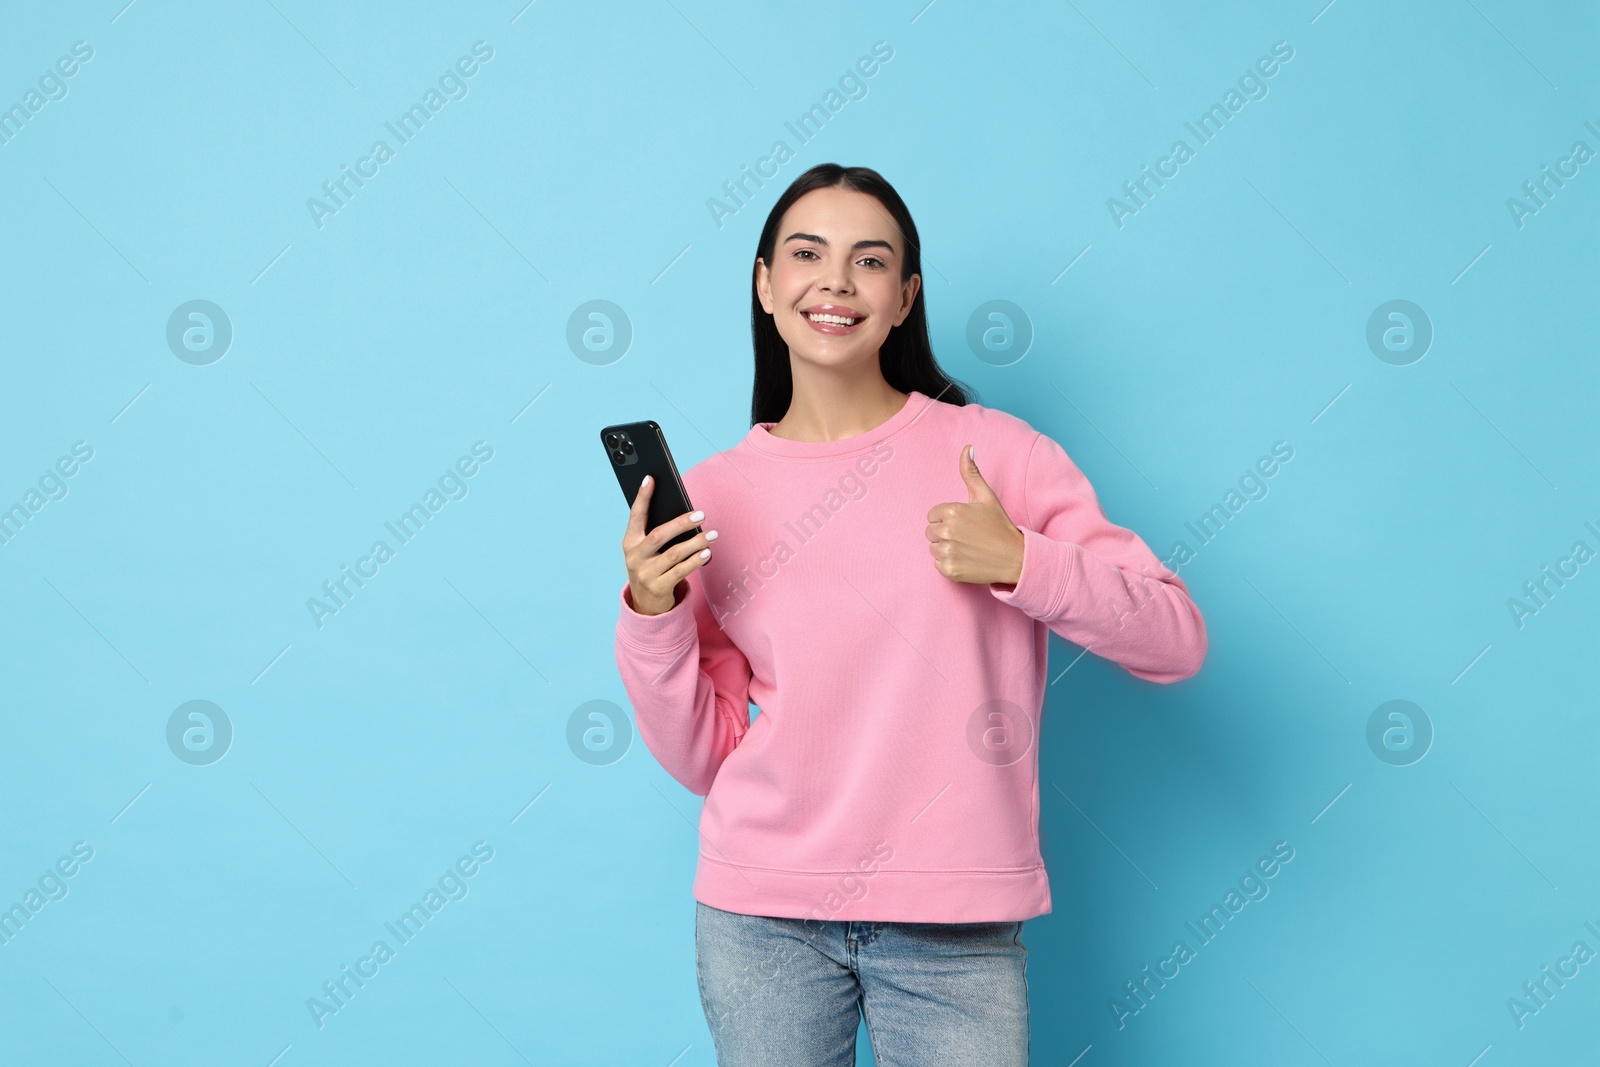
(820, 412)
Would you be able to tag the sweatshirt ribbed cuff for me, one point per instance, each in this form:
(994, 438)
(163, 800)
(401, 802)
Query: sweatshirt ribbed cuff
(667, 632)
(1048, 568)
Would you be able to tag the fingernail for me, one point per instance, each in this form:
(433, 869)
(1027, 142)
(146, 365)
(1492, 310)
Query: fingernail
(698, 515)
(705, 553)
(712, 536)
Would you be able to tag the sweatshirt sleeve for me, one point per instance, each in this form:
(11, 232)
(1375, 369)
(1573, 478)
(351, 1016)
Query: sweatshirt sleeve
(688, 682)
(1095, 583)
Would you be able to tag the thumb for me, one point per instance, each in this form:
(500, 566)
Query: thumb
(977, 489)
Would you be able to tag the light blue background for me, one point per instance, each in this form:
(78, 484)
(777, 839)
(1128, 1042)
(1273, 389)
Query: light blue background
(432, 310)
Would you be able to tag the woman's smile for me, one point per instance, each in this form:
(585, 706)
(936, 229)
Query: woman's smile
(833, 318)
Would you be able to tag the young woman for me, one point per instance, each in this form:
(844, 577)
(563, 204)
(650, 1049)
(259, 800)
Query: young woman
(869, 843)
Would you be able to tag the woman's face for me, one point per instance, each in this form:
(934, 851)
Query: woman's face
(838, 253)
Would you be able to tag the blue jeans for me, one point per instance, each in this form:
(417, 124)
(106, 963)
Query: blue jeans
(789, 992)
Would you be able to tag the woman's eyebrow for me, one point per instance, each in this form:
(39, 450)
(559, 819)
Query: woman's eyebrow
(858, 246)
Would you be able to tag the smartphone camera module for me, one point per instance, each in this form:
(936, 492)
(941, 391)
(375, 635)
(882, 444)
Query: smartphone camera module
(620, 445)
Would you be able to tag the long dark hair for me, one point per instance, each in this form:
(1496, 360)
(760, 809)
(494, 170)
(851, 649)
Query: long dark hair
(906, 358)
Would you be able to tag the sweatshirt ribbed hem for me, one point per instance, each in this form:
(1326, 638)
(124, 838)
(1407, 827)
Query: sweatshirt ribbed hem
(1002, 895)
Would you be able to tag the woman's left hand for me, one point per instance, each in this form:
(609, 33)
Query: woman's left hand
(975, 542)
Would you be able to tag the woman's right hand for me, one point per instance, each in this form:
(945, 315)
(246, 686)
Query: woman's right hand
(653, 575)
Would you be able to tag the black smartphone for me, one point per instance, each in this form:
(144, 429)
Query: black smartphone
(640, 448)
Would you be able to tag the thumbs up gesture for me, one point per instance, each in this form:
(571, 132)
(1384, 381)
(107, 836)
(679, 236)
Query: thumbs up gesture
(975, 542)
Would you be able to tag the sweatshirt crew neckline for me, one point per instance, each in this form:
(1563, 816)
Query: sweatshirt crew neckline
(761, 439)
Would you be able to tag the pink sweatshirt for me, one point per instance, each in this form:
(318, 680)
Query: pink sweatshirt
(892, 773)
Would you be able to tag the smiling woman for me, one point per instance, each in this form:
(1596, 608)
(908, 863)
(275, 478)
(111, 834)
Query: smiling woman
(896, 642)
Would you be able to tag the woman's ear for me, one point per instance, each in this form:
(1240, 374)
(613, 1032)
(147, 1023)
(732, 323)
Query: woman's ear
(908, 296)
(763, 285)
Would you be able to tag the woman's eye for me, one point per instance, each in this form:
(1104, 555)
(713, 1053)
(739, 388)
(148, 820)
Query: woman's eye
(804, 252)
(874, 260)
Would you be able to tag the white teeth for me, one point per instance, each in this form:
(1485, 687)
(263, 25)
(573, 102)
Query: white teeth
(836, 320)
